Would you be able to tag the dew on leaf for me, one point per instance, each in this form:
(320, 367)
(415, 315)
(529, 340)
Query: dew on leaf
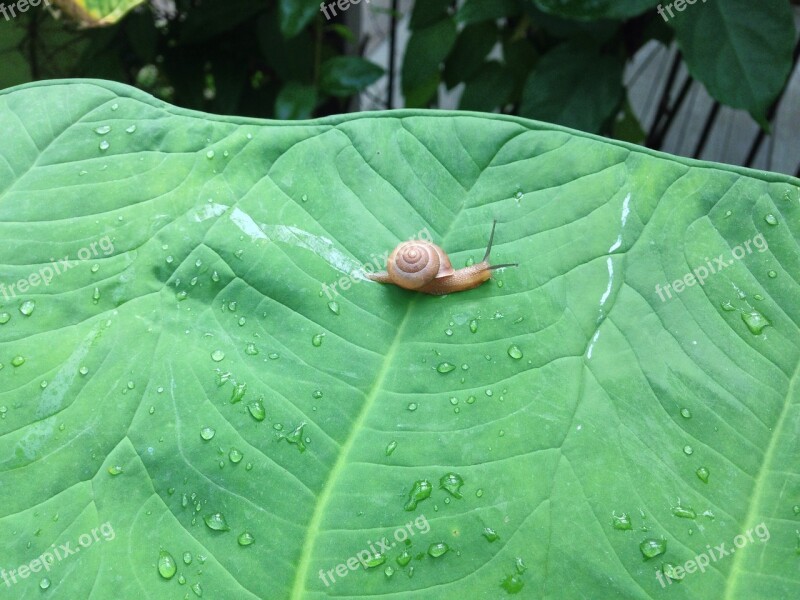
(4, 318)
(207, 433)
(490, 534)
(702, 474)
(755, 321)
(445, 367)
(26, 308)
(473, 325)
(246, 539)
(651, 547)
(452, 482)
(420, 490)
(217, 355)
(217, 522)
(685, 413)
(167, 567)
(115, 470)
(621, 522)
(684, 512)
(771, 219)
(438, 549)
(514, 352)
(257, 410)
(334, 307)
(235, 456)
(390, 448)
(316, 341)
(688, 450)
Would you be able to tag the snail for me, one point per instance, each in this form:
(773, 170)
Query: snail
(424, 267)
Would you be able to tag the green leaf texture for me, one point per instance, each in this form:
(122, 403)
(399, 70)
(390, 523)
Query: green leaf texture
(189, 385)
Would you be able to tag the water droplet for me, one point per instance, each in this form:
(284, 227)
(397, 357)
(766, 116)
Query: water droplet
(684, 512)
(257, 410)
(317, 394)
(473, 325)
(217, 355)
(651, 547)
(18, 361)
(208, 433)
(438, 549)
(316, 341)
(216, 522)
(26, 308)
(4, 318)
(334, 306)
(479, 493)
(167, 567)
(514, 352)
(251, 349)
(727, 306)
(246, 539)
(755, 321)
(772, 274)
(115, 470)
(452, 482)
(103, 129)
(304, 198)
(215, 277)
(44, 583)
(296, 437)
(668, 569)
(274, 356)
(210, 154)
(688, 450)
(685, 413)
(621, 522)
(390, 448)
(114, 106)
(104, 145)
(239, 390)
(771, 219)
(796, 509)
(420, 490)
(412, 406)
(197, 589)
(445, 367)
(490, 534)
(83, 370)
(235, 456)
(95, 268)
(388, 571)
(513, 584)
(404, 558)
(187, 558)
(169, 259)
(518, 195)
(702, 474)
(96, 296)
(375, 561)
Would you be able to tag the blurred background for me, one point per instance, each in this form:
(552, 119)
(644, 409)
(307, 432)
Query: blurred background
(712, 79)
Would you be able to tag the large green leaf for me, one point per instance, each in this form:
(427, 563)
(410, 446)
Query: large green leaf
(91, 13)
(578, 410)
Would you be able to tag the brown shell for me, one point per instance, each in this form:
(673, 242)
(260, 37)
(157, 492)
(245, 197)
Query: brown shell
(415, 264)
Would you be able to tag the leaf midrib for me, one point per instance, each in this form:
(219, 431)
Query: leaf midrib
(759, 486)
(313, 529)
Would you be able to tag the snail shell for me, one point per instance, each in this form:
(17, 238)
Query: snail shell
(414, 264)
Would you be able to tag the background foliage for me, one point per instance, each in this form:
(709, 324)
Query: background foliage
(557, 61)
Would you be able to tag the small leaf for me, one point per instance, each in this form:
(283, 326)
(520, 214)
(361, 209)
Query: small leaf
(347, 75)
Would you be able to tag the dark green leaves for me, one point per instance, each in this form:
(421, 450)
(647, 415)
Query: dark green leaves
(574, 85)
(427, 49)
(740, 50)
(346, 75)
(296, 14)
(594, 9)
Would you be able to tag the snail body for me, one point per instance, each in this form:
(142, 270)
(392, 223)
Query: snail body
(424, 267)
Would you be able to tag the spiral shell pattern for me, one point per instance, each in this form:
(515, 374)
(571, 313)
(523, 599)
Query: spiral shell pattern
(414, 264)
